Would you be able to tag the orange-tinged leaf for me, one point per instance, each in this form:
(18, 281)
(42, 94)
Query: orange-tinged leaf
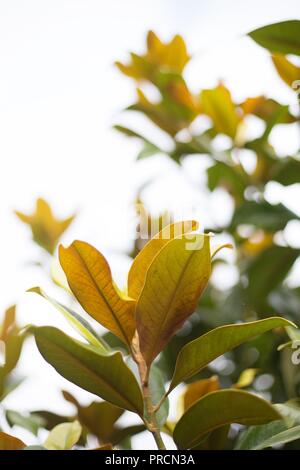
(8, 442)
(46, 229)
(288, 71)
(198, 389)
(140, 265)
(174, 282)
(89, 277)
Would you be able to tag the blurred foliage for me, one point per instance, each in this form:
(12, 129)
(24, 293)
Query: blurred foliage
(263, 262)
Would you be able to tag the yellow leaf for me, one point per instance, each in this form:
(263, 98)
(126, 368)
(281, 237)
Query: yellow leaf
(139, 267)
(198, 389)
(174, 282)
(246, 378)
(46, 229)
(63, 436)
(8, 442)
(286, 69)
(218, 105)
(90, 280)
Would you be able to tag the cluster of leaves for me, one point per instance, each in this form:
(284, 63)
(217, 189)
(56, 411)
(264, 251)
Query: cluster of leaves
(140, 360)
(263, 262)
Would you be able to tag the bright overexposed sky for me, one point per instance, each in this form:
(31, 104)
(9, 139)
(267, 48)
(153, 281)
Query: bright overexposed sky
(60, 94)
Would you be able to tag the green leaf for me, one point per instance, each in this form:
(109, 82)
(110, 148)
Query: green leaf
(218, 409)
(228, 176)
(262, 215)
(104, 375)
(266, 271)
(64, 436)
(197, 354)
(31, 422)
(175, 280)
(79, 323)
(157, 389)
(281, 37)
(255, 436)
(8, 442)
(286, 171)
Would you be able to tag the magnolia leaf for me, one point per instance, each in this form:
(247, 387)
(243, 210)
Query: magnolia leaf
(174, 282)
(268, 435)
(104, 375)
(266, 271)
(197, 354)
(246, 378)
(46, 229)
(141, 263)
(218, 105)
(268, 110)
(31, 422)
(98, 417)
(8, 442)
(281, 37)
(198, 389)
(289, 72)
(64, 436)
(90, 280)
(157, 390)
(218, 409)
(79, 323)
(286, 171)
(263, 215)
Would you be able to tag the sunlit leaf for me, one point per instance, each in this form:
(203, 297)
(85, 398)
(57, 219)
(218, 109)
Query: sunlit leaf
(197, 354)
(90, 280)
(286, 69)
(141, 263)
(218, 105)
(218, 409)
(174, 282)
(104, 375)
(246, 378)
(64, 436)
(267, 109)
(281, 37)
(46, 229)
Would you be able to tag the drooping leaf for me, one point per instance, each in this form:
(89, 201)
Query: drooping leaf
(262, 215)
(197, 354)
(64, 436)
(174, 282)
(281, 37)
(218, 105)
(104, 375)
(218, 409)
(8, 442)
(46, 229)
(79, 323)
(198, 389)
(138, 271)
(90, 280)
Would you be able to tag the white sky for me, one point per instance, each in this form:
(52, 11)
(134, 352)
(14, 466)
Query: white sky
(59, 96)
